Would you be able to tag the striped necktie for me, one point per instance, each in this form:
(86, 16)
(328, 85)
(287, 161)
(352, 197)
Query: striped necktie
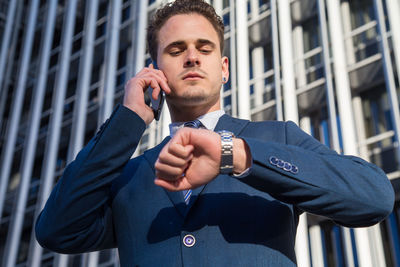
(191, 124)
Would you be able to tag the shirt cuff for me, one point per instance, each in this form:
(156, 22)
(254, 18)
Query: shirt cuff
(242, 174)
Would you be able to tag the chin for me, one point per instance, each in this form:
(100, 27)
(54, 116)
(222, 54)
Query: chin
(188, 100)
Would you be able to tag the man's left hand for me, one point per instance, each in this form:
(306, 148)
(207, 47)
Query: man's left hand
(192, 158)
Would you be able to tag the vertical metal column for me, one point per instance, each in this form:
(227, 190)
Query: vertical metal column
(328, 76)
(60, 86)
(111, 60)
(218, 7)
(9, 67)
(317, 255)
(17, 104)
(257, 56)
(341, 78)
(388, 71)
(81, 99)
(302, 242)
(289, 88)
(346, 112)
(141, 36)
(348, 39)
(5, 43)
(360, 126)
(140, 52)
(275, 51)
(291, 111)
(298, 49)
(375, 231)
(258, 70)
(131, 51)
(83, 83)
(233, 65)
(243, 60)
(28, 157)
(332, 113)
(393, 9)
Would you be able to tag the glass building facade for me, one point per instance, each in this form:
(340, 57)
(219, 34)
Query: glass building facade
(331, 66)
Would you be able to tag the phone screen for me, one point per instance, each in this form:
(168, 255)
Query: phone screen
(157, 104)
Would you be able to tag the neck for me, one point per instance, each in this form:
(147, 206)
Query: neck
(189, 113)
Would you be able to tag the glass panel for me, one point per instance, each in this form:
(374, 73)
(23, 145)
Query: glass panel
(311, 34)
(362, 12)
(376, 111)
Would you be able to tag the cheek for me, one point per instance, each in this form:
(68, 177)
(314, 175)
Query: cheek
(216, 76)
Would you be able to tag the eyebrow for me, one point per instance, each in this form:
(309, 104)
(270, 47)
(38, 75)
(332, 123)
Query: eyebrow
(182, 43)
(206, 42)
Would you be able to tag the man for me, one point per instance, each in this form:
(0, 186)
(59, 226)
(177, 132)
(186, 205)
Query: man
(182, 203)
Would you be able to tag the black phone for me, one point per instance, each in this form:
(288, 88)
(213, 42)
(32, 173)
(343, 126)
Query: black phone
(156, 105)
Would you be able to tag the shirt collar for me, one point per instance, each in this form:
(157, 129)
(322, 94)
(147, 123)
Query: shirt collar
(209, 120)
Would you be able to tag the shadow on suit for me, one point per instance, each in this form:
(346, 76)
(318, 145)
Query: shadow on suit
(233, 214)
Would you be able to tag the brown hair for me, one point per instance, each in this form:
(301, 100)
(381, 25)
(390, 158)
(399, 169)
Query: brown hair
(180, 7)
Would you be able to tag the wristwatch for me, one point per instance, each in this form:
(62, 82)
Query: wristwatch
(226, 166)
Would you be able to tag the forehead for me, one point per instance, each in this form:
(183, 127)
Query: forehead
(187, 27)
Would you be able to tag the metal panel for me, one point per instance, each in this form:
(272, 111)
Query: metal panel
(243, 60)
(17, 104)
(30, 143)
(111, 60)
(388, 71)
(5, 43)
(275, 51)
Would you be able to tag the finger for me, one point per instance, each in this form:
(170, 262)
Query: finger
(178, 150)
(172, 160)
(177, 185)
(162, 84)
(168, 172)
(160, 74)
(155, 88)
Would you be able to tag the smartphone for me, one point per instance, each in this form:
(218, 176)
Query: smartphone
(156, 105)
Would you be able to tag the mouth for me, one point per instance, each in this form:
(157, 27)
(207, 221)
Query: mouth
(192, 76)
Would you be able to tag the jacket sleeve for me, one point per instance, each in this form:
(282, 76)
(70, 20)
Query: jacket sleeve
(307, 174)
(77, 216)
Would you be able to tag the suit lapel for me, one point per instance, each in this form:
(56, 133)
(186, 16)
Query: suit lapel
(233, 125)
(176, 197)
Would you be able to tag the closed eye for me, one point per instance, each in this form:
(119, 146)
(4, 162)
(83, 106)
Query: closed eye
(206, 51)
(175, 52)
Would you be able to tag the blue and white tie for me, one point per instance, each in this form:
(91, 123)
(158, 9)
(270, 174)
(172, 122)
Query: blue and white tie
(191, 124)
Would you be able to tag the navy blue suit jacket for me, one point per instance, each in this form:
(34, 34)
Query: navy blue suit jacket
(105, 199)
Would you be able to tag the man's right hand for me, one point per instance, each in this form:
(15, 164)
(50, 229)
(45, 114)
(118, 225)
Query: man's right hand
(137, 86)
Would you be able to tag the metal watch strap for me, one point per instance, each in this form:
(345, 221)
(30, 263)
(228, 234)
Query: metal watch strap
(226, 166)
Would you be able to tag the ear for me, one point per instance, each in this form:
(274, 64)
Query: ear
(225, 69)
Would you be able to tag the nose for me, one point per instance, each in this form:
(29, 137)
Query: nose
(192, 58)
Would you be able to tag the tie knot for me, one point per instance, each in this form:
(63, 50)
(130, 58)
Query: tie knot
(193, 124)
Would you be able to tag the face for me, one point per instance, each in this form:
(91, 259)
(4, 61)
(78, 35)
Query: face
(190, 57)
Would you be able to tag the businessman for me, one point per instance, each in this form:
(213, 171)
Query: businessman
(221, 191)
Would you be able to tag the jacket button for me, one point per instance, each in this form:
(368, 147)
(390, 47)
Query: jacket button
(294, 169)
(189, 240)
(273, 160)
(281, 163)
(287, 167)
